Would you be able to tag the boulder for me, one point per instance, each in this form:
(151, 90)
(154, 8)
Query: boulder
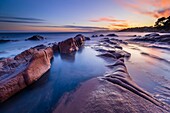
(68, 46)
(87, 38)
(94, 36)
(79, 40)
(22, 70)
(101, 35)
(36, 37)
(112, 35)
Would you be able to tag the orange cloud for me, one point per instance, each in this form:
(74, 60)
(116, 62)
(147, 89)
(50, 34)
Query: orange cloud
(105, 19)
(122, 25)
(153, 8)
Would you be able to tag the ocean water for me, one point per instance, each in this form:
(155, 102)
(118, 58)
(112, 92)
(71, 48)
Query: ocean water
(68, 72)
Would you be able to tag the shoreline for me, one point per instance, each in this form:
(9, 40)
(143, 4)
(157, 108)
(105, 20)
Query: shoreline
(105, 42)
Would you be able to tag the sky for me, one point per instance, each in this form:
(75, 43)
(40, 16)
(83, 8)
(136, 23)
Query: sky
(79, 15)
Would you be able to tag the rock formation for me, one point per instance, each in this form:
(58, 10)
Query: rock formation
(27, 67)
(112, 35)
(22, 70)
(36, 38)
(115, 92)
(70, 45)
(153, 38)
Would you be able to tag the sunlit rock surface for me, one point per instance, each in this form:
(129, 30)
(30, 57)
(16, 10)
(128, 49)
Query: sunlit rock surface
(22, 70)
(72, 44)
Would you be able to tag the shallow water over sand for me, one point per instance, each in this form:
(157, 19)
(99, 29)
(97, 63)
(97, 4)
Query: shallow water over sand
(66, 73)
(150, 73)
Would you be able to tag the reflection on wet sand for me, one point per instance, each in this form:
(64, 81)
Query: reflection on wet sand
(152, 66)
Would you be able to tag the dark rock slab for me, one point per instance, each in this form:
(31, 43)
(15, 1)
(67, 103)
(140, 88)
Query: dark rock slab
(112, 35)
(101, 35)
(152, 38)
(5, 41)
(36, 38)
(94, 36)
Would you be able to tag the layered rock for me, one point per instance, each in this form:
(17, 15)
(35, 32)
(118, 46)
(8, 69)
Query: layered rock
(115, 92)
(154, 37)
(22, 70)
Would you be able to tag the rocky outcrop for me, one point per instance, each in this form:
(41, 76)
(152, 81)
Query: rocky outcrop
(24, 69)
(70, 45)
(115, 92)
(153, 38)
(36, 38)
(87, 38)
(94, 36)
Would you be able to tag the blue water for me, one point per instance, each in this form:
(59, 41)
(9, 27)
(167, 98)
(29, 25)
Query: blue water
(66, 73)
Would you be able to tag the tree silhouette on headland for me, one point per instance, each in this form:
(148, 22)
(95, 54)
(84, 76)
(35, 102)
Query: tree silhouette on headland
(163, 23)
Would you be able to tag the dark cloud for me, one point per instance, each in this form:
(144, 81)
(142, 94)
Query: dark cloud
(77, 27)
(19, 21)
(22, 20)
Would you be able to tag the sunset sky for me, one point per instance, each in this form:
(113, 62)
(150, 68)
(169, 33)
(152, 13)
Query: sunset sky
(79, 15)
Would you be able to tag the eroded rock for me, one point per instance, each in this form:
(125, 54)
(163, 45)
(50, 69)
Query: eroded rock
(72, 44)
(22, 70)
(153, 38)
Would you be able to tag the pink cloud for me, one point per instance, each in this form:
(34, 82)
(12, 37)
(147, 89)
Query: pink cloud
(122, 25)
(105, 19)
(153, 8)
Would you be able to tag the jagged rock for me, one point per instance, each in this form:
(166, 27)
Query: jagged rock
(79, 40)
(68, 46)
(55, 47)
(36, 37)
(72, 44)
(22, 70)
